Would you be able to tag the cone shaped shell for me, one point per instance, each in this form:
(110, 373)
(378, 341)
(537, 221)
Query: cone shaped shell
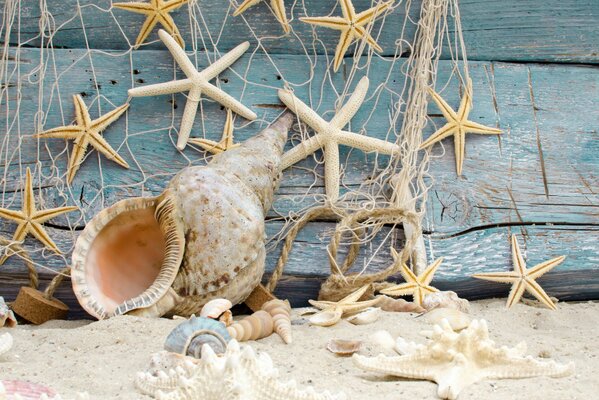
(256, 326)
(280, 311)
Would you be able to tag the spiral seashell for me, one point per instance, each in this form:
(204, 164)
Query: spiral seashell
(280, 311)
(215, 308)
(187, 338)
(203, 238)
(256, 326)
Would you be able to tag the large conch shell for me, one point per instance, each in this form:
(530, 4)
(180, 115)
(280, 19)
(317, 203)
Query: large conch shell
(202, 238)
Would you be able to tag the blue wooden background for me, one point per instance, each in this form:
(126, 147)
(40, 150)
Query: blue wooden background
(534, 72)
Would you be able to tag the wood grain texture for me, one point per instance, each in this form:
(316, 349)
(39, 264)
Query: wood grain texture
(508, 30)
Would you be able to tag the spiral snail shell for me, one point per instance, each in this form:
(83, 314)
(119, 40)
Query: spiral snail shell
(202, 238)
(189, 337)
(280, 311)
(253, 327)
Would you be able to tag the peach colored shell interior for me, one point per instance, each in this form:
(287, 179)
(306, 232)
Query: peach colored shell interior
(125, 258)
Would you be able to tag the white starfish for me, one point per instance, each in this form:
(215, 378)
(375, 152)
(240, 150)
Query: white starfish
(197, 84)
(329, 135)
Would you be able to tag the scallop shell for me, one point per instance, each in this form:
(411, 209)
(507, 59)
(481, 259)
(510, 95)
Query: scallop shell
(187, 338)
(256, 326)
(7, 317)
(446, 299)
(280, 311)
(368, 316)
(214, 308)
(457, 319)
(343, 347)
(202, 238)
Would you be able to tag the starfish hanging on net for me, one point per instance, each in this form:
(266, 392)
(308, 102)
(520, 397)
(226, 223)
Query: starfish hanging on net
(278, 7)
(86, 133)
(226, 141)
(197, 83)
(156, 12)
(329, 135)
(352, 26)
(30, 219)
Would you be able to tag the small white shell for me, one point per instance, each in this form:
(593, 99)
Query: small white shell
(343, 347)
(214, 308)
(446, 299)
(226, 318)
(367, 316)
(7, 317)
(326, 317)
(457, 319)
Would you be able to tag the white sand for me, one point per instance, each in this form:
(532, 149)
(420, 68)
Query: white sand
(103, 357)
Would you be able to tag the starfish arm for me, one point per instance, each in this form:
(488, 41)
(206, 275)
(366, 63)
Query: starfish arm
(40, 234)
(79, 149)
(102, 122)
(331, 171)
(401, 289)
(189, 115)
(244, 6)
(16, 216)
(349, 109)
(353, 308)
(418, 295)
(44, 215)
(100, 144)
(337, 23)
(539, 270)
(502, 277)
(225, 61)
(473, 127)
(301, 151)
(408, 274)
(445, 131)
(322, 305)
(146, 28)
(81, 114)
(366, 143)
(178, 53)
(355, 296)
(62, 132)
(278, 7)
(158, 89)
(366, 16)
(537, 291)
(208, 145)
(465, 103)
(410, 366)
(20, 232)
(429, 272)
(227, 137)
(28, 199)
(447, 112)
(345, 40)
(516, 292)
(348, 10)
(173, 5)
(136, 7)
(362, 33)
(304, 113)
(517, 259)
(459, 145)
(169, 25)
(527, 367)
(228, 101)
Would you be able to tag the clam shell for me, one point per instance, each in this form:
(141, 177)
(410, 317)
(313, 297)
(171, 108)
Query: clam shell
(187, 338)
(445, 299)
(368, 316)
(214, 308)
(343, 347)
(326, 317)
(457, 319)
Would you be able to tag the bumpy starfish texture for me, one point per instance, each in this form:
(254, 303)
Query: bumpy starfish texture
(457, 125)
(226, 142)
(85, 133)
(156, 12)
(352, 26)
(196, 84)
(417, 286)
(30, 220)
(457, 360)
(5, 342)
(278, 7)
(237, 374)
(523, 278)
(329, 135)
(332, 311)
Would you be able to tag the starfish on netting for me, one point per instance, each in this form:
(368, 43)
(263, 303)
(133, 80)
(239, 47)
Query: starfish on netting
(332, 311)
(329, 135)
(30, 220)
(457, 125)
(352, 26)
(226, 141)
(417, 286)
(522, 278)
(197, 84)
(156, 11)
(278, 7)
(86, 132)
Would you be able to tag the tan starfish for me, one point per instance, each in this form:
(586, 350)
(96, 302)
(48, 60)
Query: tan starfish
(278, 7)
(522, 278)
(417, 286)
(457, 125)
(86, 132)
(157, 11)
(352, 26)
(30, 220)
(197, 83)
(332, 311)
(226, 141)
(329, 135)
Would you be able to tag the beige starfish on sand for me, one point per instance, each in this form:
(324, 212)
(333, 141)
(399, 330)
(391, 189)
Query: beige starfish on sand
(30, 220)
(226, 142)
(352, 26)
(417, 286)
(157, 12)
(522, 278)
(86, 132)
(278, 7)
(329, 135)
(332, 311)
(457, 125)
(197, 84)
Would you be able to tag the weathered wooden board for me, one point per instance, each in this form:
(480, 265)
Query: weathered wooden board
(523, 30)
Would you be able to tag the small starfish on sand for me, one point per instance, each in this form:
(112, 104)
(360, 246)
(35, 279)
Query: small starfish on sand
(522, 278)
(351, 25)
(278, 7)
(417, 286)
(30, 220)
(331, 311)
(85, 133)
(197, 84)
(226, 142)
(329, 135)
(156, 11)
(457, 125)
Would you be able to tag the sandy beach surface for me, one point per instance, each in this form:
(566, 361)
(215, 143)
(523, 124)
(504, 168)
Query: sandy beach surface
(102, 358)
